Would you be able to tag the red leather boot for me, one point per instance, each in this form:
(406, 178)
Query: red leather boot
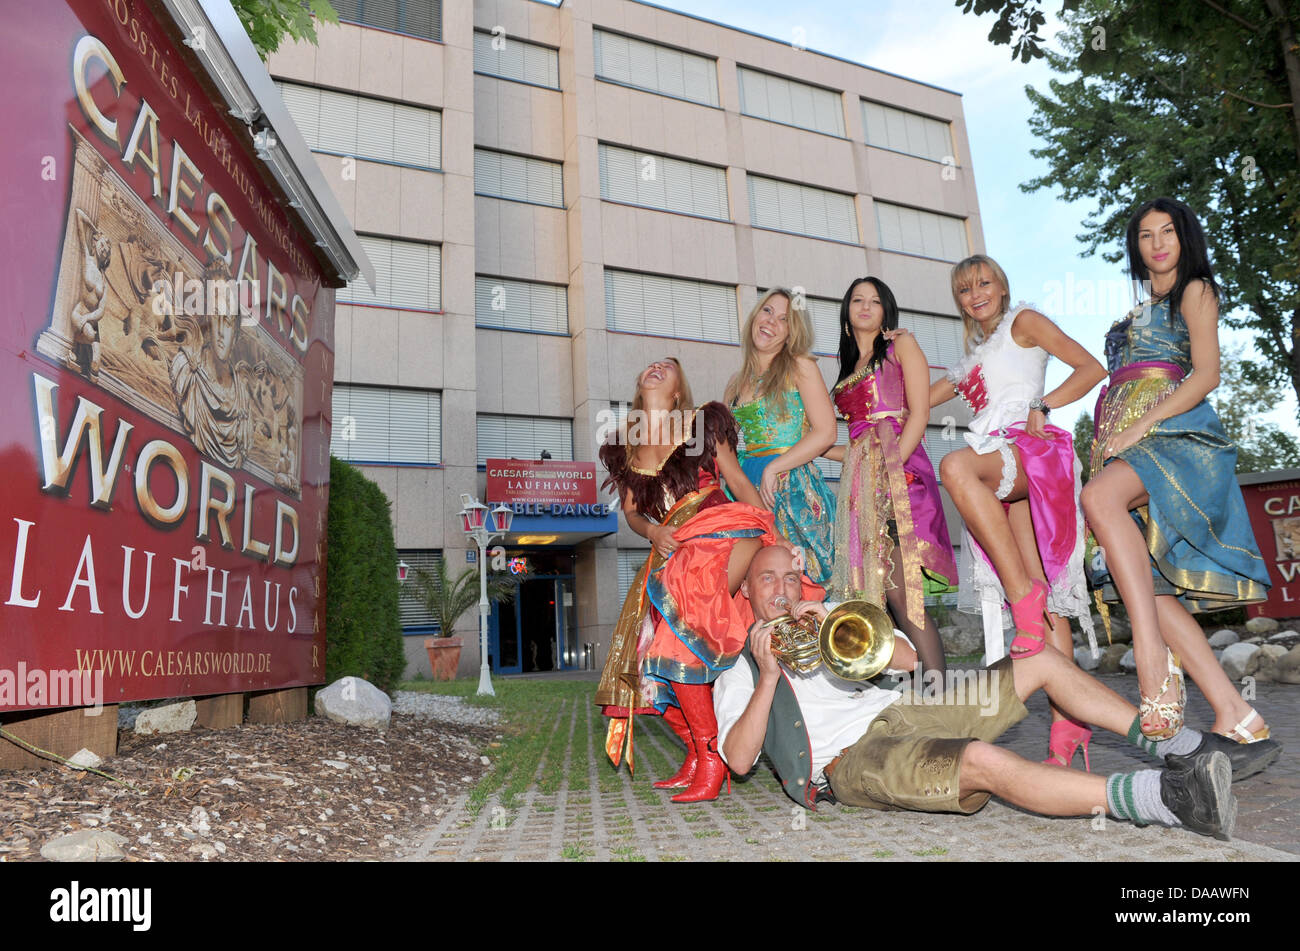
(697, 707)
(682, 778)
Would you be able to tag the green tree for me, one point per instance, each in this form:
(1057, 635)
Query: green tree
(268, 22)
(1241, 404)
(1083, 441)
(1191, 99)
(363, 629)
(446, 598)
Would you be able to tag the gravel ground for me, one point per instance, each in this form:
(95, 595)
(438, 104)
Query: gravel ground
(447, 709)
(310, 790)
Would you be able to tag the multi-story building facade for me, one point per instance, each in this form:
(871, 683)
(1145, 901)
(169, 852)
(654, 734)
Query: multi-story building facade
(554, 196)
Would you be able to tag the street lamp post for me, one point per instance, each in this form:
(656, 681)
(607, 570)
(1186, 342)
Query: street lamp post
(473, 519)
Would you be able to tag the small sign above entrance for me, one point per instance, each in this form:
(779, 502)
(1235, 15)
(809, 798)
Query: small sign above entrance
(516, 480)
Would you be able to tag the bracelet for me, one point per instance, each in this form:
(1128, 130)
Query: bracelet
(1040, 404)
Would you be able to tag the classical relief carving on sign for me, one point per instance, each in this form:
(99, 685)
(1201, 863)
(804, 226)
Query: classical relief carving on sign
(136, 313)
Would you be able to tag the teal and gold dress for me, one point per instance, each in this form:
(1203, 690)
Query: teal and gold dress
(805, 506)
(1196, 526)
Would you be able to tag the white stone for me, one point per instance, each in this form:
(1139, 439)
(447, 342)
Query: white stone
(89, 845)
(199, 820)
(1287, 639)
(173, 718)
(1235, 658)
(1127, 662)
(1261, 625)
(83, 759)
(1223, 638)
(356, 702)
(1083, 657)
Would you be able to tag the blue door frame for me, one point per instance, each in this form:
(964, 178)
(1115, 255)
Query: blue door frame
(516, 666)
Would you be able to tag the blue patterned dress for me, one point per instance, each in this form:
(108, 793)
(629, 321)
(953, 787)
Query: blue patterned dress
(1196, 526)
(805, 506)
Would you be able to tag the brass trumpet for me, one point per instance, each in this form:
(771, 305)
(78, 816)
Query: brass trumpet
(855, 641)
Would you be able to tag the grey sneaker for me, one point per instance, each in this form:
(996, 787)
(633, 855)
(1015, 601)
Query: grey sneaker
(1247, 759)
(1198, 790)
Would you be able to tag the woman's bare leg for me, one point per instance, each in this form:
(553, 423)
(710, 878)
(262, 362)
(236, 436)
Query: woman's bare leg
(926, 640)
(1185, 637)
(1058, 635)
(1107, 499)
(972, 480)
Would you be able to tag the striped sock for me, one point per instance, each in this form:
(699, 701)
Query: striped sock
(1136, 797)
(1182, 742)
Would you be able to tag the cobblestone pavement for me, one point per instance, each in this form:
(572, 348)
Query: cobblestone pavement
(597, 814)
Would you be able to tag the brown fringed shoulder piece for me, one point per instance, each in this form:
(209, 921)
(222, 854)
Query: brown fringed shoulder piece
(654, 493)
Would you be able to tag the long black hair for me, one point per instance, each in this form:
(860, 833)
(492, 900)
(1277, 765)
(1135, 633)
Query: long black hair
(1193, 255)
(849, 353)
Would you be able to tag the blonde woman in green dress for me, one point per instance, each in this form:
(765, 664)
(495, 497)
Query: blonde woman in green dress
(784, 412)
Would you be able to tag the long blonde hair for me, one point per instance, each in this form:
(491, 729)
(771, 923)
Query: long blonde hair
(782, 372)
(964, 273)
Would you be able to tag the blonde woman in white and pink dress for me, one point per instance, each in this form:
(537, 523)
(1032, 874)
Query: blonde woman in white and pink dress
(1016, 483)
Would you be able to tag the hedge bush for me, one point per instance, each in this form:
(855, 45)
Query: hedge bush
(363, 631)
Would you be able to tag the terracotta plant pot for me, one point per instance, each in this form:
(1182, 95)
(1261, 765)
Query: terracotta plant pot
(444, 656)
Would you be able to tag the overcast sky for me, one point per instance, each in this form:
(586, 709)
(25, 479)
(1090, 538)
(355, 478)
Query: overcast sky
(1031, 235)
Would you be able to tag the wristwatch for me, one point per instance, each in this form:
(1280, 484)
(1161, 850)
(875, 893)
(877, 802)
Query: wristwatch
(1040, 404)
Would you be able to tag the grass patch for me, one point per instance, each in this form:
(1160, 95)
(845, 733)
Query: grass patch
(535, 720)
(575, 852)
(883, 854)
(627, 853)
(707, 833)
(935, 850)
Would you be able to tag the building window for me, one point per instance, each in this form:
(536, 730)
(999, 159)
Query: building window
(343, 124)
(670, 307)
(765, 96)
(524, 437)
(518, 178)
(901, 131)
(924, 233)
(825, 316)
(656, 68)
(657, 181)
(412, 609)
(408, 275)
(830, 469)
(802, 209)
(630, 561)
(386, 426)
(508, 57)
(505, 304)
(422, 18)
(939, 337)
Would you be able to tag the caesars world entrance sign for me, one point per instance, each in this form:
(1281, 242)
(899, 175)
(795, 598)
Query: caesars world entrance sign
(167, 370)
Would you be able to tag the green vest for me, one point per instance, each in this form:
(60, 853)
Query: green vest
(786, 742)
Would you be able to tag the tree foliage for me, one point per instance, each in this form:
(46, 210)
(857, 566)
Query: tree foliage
(363, 631)
(1241, 404)
(447, 598)
(1083, 441)
(268, 22)
(1196, 99)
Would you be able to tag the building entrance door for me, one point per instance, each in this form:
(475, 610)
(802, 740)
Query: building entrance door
(537, 631)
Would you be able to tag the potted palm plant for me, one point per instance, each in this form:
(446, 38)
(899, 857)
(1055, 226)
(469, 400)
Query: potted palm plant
(446, 599)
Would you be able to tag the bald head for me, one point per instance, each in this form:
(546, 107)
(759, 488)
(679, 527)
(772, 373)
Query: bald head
(772, 575)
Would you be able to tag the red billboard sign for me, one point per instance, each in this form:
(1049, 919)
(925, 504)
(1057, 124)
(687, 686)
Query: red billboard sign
(1275, 519)
(167, 367)
(514, 480)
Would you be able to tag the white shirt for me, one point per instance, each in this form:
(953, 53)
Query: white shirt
(836, 712)
(1013, 375)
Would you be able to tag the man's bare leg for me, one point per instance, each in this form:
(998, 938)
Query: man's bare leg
(1047, 790)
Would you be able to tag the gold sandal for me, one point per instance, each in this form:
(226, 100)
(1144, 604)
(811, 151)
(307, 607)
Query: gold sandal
(1239, 733)
(1171, 713)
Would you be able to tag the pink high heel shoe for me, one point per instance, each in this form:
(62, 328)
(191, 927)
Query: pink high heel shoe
(1066, 737)
(1029, 616)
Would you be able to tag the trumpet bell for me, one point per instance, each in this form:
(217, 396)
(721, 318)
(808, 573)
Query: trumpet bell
(856, 640)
